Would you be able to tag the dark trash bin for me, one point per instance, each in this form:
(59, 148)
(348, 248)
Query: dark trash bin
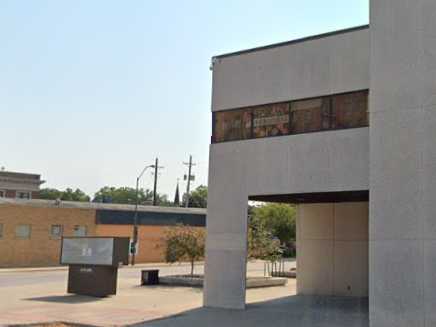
(150, 277)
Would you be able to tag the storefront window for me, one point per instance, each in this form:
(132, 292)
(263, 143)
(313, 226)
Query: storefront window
(232, 125)
(310, 115)
(272, 120)
(350, 110)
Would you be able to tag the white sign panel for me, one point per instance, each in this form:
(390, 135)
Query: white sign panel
(87, 251)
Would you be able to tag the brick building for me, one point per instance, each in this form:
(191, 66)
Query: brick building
(19, 185)
(31, 230)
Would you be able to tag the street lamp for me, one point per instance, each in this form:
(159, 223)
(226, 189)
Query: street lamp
(135, 217)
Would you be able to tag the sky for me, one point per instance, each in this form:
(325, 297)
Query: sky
(91, 91)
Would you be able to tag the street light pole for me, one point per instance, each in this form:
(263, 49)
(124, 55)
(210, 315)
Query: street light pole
(135, 217)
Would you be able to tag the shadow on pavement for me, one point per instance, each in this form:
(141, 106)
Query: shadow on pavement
(170, 288)
(288, 311)
(70, 298)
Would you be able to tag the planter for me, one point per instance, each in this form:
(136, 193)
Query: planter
(287, 274)
(197, 281)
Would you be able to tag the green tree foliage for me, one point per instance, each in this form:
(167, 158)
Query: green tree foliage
(262, 244)
(127, 195)
(197, 198)
(67, 195)
(184, 243)
(279, 220)
(122, 195)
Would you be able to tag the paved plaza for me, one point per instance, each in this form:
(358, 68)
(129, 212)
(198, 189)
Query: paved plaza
(286, 311)
(31, 296)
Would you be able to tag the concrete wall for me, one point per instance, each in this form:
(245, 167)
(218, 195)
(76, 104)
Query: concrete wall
(316, 162)
(403, 163)
(332, 249)
(323, 66)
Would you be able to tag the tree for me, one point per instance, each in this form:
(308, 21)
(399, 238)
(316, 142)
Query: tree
(184, 243)
(50, 194)
(127, 195)
(77, 195)
(261, 243)
(279, 220)
(67, 195)
(197, 198)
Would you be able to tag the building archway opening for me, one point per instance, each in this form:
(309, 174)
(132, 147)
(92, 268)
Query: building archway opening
(331, 246)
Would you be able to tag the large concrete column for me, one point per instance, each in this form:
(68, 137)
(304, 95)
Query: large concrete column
(226, 247)
(403, 163)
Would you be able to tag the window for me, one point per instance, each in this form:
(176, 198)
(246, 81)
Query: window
(271, 120)
(80, 230)
(23, 195)
(301, 116)
(56, 231)
(232, 125)
(23, 231)
(310, 115)
(350, 110)
(1, 231)
(2, 194)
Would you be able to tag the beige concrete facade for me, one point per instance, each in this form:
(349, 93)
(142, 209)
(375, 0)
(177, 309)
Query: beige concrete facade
(303, 163)
(393, 160)
(403, 163)
(332, 249)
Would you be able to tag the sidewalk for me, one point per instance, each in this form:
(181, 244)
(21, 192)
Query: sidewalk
(64, 268)
(42, 297)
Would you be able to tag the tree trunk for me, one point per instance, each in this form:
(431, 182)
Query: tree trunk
(192, 268)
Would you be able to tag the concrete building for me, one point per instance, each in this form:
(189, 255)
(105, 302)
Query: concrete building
(344, 125)
(19, 185)
(31, 230)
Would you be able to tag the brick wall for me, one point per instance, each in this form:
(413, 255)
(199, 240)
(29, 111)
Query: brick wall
(151, 245)
(41, 249)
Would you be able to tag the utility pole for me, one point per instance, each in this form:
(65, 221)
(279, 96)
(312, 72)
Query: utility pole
(189, 164)
(156, 168)
(134, 244)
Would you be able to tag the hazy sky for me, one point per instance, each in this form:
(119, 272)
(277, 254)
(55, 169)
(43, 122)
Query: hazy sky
(92, 90)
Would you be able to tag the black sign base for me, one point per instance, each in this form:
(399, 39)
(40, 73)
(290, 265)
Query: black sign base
(98, 281)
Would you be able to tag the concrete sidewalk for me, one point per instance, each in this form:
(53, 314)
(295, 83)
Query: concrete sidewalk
(41, 296)
(301, 311)
(65, 268)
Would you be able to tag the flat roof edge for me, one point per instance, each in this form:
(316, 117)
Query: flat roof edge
(98, 206)
(300, 40)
